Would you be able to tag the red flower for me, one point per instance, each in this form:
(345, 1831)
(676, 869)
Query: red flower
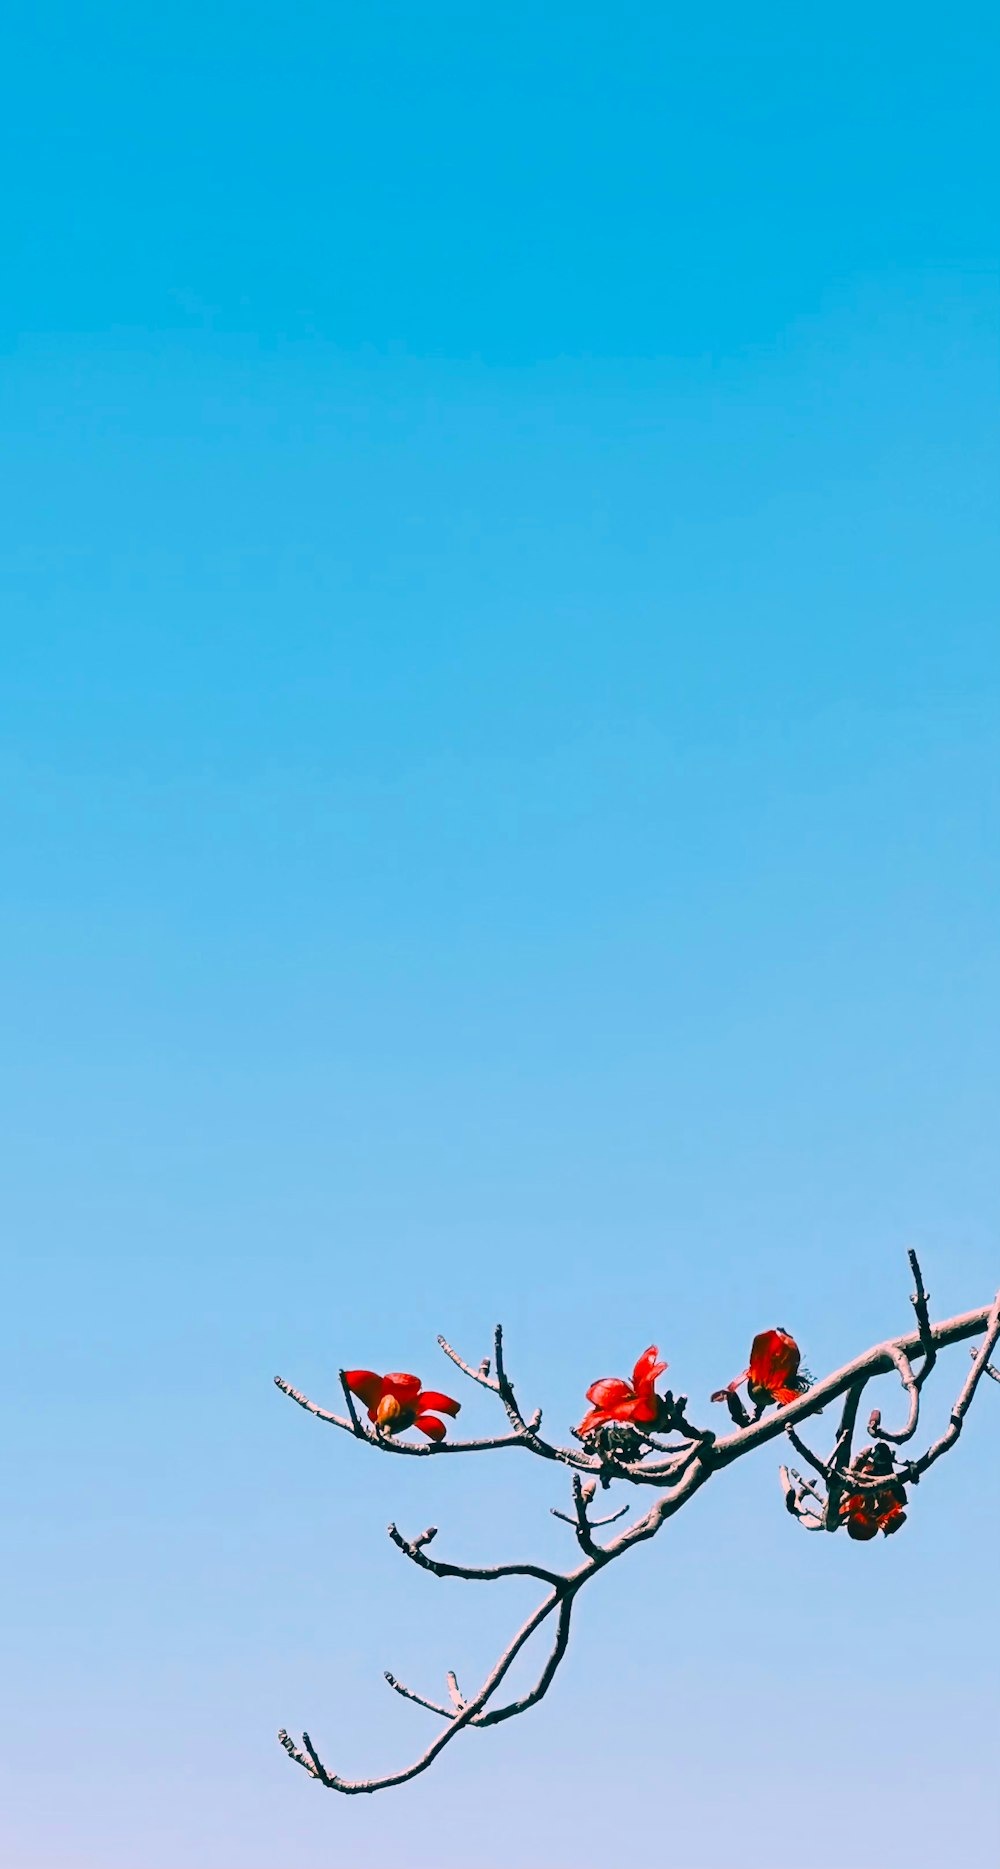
(617, 1400)
(878, 1508)
(879, 1511)
(773, 1372)
(397, 1402)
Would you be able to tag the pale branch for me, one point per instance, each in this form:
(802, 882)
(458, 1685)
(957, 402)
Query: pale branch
(583, 1525)
(797, 1491)
(489, 1573)
(679, 1472)
(909, 1382)
(398, 1687)
(963, 1403)
(480, 1375)
(580, 1518)
(308, 1759)
(813, 1460)
(920, 1301)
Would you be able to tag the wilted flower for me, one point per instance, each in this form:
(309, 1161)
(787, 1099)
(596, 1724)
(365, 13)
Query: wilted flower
(876, 1508)
(773, 1373)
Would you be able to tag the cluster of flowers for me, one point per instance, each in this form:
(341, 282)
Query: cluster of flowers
(877, 1508)
(773, 1376)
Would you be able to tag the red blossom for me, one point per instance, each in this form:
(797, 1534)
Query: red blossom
(773, 1373)
(877, 1508)
(616, 1400)
(397, 1402)
(867, 1514)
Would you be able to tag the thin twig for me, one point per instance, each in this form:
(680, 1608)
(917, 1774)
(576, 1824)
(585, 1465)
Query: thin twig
(910, 1384)
(487, 1573)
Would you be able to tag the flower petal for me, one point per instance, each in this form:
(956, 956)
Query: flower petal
(434, 1429)
(432, 1398)
(861, 1527)
(365, 1385)
(647, 1369)
(404, 1387)
(609, 1392)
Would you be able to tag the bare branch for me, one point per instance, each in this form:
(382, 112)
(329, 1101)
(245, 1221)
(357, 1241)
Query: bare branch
(966, 1393)
(583, 1525)
(489, 1573)
(595, 1524)
(433, 1706)
(813, 1460)
(480, 1375)
(796, 1490)
(920, 1301)
(909, 1382)
(544, 1680)
(351, 1410)
(352, 1787)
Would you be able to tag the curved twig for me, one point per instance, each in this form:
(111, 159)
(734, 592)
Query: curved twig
(910, 1384)
(488, 1573)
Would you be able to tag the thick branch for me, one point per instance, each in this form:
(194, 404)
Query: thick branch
(875, 1362)
(980, 1364)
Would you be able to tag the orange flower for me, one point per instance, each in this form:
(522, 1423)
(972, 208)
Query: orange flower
(614, 1399)
(773, 1373)
(397, 1402)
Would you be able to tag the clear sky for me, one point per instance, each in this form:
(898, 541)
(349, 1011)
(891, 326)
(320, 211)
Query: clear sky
(501, 690)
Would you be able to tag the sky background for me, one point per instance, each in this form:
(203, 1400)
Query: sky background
(501, 691)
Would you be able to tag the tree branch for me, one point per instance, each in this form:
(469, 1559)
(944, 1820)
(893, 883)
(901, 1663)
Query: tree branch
(683, 1470)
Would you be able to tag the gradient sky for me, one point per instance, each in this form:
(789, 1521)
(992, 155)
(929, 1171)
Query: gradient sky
(501, 691)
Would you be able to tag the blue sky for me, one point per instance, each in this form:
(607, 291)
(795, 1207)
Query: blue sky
(501, 698)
